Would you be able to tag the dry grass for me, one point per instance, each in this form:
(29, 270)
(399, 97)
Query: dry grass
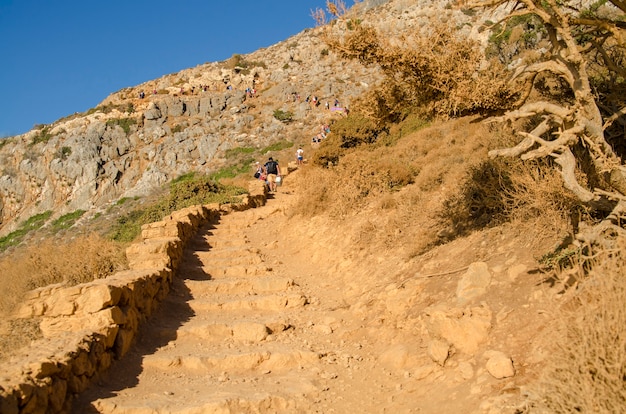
(399, 187)
(52, 262)
(435, 185)
(82, 259)
(586, 371)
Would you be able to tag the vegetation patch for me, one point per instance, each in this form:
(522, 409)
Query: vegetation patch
(64, 153)
(283, 116)
(124, 123)
(42, 135)
(587, 365)
(66, 221)
(238, 151)
(277, 146)
(184, 191)
(238, 63)
(106, 109)
(14, 238)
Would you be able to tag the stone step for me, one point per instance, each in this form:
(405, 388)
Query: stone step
(258, 302)
(201, 399)
(235, 257)
(225, 241)
(225, 253)
(203, 288)
(243, 330)
(214, 271)
(195, 262)
(236, 363)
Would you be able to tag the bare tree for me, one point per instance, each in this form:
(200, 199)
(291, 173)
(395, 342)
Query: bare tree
(586, 44)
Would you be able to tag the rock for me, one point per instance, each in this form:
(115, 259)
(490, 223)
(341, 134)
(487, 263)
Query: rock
(466, 370)
(463, 328)
(438, 351)
(499, 365)
(399, 357)
(253, 332)
(153, 112)
(473, 283)
(515, 271)
(323, 329)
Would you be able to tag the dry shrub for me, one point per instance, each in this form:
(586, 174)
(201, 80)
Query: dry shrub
(349, 132)
(503, 190)
(437, 69)
(397, 188)
(360, 176)
(80, 260)
(586, 371)
(17, 333)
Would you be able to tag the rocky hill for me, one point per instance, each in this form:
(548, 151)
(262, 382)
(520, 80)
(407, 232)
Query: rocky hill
(141, 137)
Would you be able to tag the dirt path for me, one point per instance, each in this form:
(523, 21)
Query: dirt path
(241, 333)
(271, 315)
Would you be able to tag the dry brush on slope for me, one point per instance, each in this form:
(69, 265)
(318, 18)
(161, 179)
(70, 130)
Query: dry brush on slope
(435, 70)
(570, 115)
(576, 130)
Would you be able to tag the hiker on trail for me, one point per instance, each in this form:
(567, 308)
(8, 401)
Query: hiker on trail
(259, 172)
(299, 156)
(273, 171)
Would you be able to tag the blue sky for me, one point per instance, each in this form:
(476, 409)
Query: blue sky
(65, 56)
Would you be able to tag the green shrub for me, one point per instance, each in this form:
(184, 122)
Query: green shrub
(185, 191)
(66, 221)
(65, 152)
(232, 171)
(329, 152)
(14, 238)
(352, 23)
(124, 123)
(480, 202)
(532, 30)
(43, 135)
(355, 130)
(277, 146)
(236, 152)
(239, 63)
(283, 116)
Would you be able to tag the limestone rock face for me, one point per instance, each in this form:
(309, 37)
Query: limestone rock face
(127, 146)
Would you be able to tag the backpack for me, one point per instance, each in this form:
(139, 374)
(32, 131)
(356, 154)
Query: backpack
(271, 167)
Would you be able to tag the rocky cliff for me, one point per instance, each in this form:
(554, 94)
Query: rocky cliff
(143, 136)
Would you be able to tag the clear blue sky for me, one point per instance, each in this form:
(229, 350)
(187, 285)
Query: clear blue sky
(65, 56)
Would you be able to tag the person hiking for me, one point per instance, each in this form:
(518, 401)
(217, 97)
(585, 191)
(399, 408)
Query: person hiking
(299, 156)
(259, 173)
(273, 170)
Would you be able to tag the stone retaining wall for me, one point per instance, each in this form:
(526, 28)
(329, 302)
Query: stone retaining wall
(86, 327)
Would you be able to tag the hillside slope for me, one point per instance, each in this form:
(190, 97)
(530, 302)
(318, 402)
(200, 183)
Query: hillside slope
(462, 328)
(188, 121)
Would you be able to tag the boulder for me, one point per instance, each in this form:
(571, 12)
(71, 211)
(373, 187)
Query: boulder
(466, 328)
(473, 283)
(499, 365)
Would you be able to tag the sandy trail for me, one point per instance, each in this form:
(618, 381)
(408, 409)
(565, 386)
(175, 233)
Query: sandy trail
(270, 314)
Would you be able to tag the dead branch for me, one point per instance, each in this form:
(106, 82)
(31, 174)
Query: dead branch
(609, 121)
(567, 161)
(525, 144)
(528, 110)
